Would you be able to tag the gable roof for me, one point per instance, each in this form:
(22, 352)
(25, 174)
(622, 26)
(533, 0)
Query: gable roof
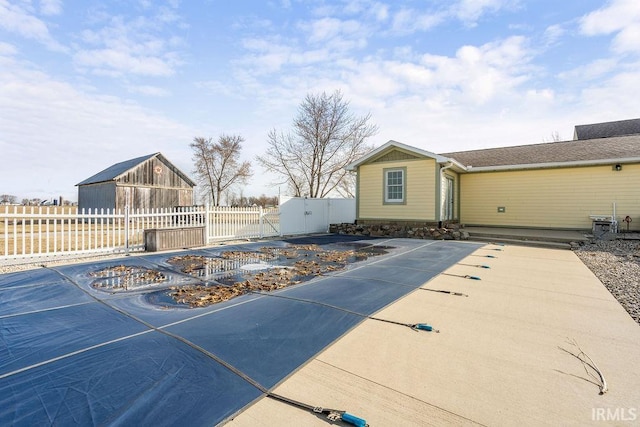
(114, 171)
(607, 129)
(592, 151)
(389, 145)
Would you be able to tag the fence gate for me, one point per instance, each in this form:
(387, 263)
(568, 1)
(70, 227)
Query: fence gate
(242, 223)
(301, 215)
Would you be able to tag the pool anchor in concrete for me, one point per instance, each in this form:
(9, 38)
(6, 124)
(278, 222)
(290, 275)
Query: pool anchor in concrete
(332, 414)
(464, 276)
(475, 265)
(442, 291)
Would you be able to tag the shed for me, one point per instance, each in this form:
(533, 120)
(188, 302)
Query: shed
(147, 182)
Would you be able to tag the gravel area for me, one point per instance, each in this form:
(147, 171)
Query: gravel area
(617, 264)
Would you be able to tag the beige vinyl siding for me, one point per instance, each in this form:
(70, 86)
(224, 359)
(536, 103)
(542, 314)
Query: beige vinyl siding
(553, 198)
(420, 191)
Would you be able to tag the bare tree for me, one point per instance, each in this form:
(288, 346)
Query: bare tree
(347, 187)
(325, 138)
(217, 164)
(263, 201)
(555, 137)
(7, 199)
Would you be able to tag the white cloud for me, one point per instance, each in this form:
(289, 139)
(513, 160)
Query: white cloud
(552, 34)
(410, 20)
(149, 90)
(542, 94)
(54, 135)
(115, 63)
(469, 11)
(616, 97)
(593, 70)
(18, 20)
(264, 55)
(51, 7)
(7, 49)
(380, 11)
(406, 21)
(325, 29)
(480, 73)
(128, 47)
(619, 16)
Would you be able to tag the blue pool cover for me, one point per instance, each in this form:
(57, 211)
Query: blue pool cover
(74, 355)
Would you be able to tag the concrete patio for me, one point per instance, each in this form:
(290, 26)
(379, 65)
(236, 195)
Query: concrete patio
(502, 357)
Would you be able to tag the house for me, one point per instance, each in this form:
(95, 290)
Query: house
(607, 129)
(556, 185)
(147, 182)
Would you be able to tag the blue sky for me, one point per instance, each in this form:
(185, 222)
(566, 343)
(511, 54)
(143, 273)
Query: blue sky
(85, 84)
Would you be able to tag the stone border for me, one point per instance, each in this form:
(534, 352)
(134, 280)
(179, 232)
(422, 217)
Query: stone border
(452, 232)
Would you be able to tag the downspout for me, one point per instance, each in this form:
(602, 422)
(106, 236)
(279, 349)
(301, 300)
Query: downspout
(442, 180)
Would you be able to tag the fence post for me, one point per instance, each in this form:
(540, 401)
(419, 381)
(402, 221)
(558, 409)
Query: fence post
(207, 221)
(126, 229)
(261, 221)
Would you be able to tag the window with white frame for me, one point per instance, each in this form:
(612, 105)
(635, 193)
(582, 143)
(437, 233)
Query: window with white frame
(394, 185)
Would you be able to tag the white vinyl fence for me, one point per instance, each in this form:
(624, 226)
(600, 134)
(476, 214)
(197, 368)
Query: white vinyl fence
(31, 232)
(300, 215)
(28, 232)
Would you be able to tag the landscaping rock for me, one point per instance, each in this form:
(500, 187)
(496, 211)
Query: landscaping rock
(451, 232)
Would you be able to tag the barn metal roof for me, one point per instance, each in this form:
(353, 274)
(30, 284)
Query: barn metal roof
(114, 171)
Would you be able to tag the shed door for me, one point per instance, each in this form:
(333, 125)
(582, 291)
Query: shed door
(449, 198)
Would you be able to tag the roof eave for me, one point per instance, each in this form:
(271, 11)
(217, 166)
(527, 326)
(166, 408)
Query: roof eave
(456, 165)
(391, 143)
(550, 165)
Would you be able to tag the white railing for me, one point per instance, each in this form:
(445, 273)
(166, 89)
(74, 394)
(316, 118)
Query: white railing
(30, 232)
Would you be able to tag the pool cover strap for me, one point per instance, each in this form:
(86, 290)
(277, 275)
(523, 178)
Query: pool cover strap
(442, 291)
(414, 326)
(464, 276)
(332, 414)
(475, 265)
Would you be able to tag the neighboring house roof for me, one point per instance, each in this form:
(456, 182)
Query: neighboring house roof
(391, 144)
(114, 171)
(592, 151)
(607, 129)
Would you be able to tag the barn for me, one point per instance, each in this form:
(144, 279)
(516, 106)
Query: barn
(147, 182)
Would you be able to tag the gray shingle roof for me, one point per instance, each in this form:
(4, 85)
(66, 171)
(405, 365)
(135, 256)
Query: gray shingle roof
(623, 147)
(608, 129)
